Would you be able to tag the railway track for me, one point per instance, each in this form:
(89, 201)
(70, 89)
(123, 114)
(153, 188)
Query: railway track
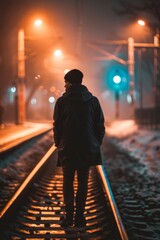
(34, 211)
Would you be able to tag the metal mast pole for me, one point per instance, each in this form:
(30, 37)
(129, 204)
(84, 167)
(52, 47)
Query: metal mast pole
(131, 67)
(21, 76)
(156, 43)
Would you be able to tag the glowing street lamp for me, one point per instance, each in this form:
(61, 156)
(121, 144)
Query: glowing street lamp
(57, 53)
(38, 22)
(141, 22)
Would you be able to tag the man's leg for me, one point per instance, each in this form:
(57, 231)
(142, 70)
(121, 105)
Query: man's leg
(68, 194)
(82, 175)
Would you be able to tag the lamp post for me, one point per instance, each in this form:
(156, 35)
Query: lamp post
(131, 68)
(140, 78)
(20, 97)
(156, 43)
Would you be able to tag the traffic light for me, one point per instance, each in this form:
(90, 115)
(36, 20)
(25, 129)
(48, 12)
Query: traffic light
(117, 79)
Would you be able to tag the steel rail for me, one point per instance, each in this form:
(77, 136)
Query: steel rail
(105, 183)
(27, 180)
(108, 190)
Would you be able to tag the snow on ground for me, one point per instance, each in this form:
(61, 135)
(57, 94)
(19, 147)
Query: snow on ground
(140, 143)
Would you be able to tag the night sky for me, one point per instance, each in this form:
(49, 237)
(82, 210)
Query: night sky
(74, 22)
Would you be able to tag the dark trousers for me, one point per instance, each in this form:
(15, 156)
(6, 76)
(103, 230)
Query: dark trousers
(68, 189)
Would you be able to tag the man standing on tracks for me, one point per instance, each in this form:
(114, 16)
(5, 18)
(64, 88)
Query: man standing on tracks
(78, 133)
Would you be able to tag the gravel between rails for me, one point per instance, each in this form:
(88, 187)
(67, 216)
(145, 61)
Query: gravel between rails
(16, 165)
(136, 191)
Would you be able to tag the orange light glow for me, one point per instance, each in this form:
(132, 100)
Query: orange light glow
(38, 22)
(57, 53)
(141, 22)
(122, 128)
(52, 89)
(66, 71)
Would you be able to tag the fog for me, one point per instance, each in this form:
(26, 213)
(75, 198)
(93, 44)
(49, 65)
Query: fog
(70, 26)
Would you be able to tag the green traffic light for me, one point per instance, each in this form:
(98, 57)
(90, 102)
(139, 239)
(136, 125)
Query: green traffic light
(117, 79)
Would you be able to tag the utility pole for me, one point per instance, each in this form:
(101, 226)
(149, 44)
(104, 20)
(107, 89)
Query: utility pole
(156, 43)
(131, 67)
(20, 98)
(140, 78)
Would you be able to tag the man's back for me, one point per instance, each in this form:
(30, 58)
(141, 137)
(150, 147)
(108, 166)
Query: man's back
(81, 122)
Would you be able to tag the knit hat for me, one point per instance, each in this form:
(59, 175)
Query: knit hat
(74, 76)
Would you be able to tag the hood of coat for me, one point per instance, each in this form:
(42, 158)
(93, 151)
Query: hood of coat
(78, 92)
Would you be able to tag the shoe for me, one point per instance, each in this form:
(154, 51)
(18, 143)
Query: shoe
(66, 222)
(80, 221)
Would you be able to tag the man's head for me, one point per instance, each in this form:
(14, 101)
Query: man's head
(74, 76)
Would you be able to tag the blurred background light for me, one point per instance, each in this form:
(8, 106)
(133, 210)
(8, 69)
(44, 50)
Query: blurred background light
(141, 22)
(117, 79)
(13, 89)
(57, 53)
(51, 99)
(38, 22)
(129, 98)
(66, 70)
(33, 101)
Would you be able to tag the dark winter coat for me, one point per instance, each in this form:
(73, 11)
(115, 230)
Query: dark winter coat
(78, 127)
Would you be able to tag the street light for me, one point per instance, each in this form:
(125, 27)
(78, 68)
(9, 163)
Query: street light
(20, 97)
(57, 53)
(38, 22)
(131, 62)
(141, 22)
